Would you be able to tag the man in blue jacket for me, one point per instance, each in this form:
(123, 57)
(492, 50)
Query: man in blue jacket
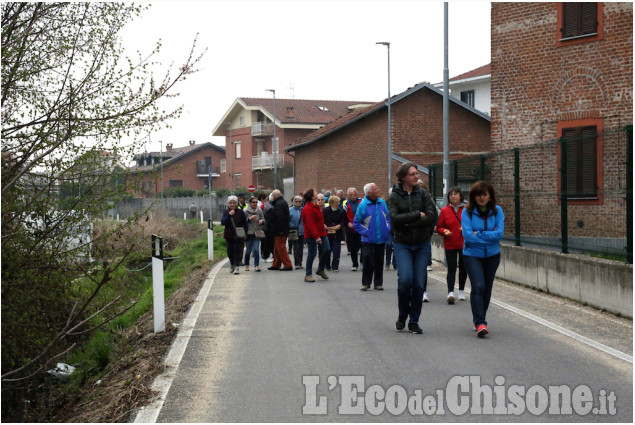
(372, 222)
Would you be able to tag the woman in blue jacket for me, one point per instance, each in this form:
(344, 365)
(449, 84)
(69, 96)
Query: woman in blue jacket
(372, 222)
(483, 225)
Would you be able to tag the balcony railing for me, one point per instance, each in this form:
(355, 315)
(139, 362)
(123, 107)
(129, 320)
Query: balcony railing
(201, 171)
(262, 129)
(265, 162)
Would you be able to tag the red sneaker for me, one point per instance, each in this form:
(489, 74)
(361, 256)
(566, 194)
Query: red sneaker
(481, 330)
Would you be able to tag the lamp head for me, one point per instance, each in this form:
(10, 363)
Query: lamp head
(385, 43)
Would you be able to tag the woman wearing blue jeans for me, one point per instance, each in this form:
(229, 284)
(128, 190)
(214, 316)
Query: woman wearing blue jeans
(483, 225)
(255, 220)
(411, 217)
(314, 235)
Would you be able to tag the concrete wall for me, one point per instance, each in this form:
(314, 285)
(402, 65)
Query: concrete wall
(600, 283)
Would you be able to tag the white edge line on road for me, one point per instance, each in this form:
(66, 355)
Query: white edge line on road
(567, 332)
(597, 345)
(162, 383)
(564, 331)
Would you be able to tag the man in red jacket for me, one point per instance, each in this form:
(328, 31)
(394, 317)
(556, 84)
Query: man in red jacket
(353, 239)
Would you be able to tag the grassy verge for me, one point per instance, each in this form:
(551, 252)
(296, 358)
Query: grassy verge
(95, 354)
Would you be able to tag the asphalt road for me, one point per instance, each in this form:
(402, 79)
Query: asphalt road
(268, 347)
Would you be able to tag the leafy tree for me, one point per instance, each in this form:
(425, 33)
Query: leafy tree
(69, 98)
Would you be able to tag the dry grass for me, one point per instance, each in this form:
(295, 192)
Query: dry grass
(125, 385)
(112, 239)
(138, 356)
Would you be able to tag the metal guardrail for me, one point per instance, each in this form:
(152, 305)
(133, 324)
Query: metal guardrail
(201, 170)
(262, 129)
(266, 162)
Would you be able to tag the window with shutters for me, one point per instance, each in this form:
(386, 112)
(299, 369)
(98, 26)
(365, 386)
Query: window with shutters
(579, 22)
(583, 160)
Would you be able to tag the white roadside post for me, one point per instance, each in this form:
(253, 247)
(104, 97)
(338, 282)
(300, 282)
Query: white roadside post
(202, 217)
(157, 284)
(184, 216)
(210, 240)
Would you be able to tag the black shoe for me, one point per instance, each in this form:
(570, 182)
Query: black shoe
(401, 323)
(414, 328)
(273, 268)
(286, 269)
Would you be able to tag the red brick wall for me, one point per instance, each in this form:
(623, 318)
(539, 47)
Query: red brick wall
(184, 169)
(357, 154)
(249, 149)
(538, 82)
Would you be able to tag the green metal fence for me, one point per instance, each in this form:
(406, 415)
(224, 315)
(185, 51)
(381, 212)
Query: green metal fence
(574, 195)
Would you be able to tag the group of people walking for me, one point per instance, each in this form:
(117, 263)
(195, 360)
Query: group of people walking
(403, 227)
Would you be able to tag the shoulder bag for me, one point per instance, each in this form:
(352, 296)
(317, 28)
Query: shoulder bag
(240, 231)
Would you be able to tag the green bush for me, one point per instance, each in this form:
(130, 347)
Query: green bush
(178, 192)
(223, 192)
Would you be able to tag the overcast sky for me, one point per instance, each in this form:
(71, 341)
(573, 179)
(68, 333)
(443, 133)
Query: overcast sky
(304, 50)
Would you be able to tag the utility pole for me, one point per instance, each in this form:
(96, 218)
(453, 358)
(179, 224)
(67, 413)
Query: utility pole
(446, 105)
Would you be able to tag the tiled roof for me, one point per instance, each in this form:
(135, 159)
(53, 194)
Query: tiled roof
(339, 122)
(353, 116)
(478, 72)
(171, 155)
(303, 110)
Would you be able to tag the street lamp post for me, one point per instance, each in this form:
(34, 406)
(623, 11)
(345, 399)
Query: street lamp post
(231, 171)
(389, 101)
(274, 142)
(446, 105)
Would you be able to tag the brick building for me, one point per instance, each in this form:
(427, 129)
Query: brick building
(562, 71)
(248, 128)
(185, 167)
(353, 150)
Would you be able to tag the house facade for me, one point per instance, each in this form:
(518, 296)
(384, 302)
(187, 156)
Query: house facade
(473, 87)
(249, 127)
(353, 150)
(177, 167)
(562, 93)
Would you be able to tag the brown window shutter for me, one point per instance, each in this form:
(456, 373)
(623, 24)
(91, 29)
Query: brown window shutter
(589, 19)
(588, 153)
(570, 13)
(581, 162)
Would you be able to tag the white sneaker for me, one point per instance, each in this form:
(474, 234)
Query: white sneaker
(353, 269)
(461, 295)
(269, 260)
(246, 268)
(429, 268)
(450, 298)
(425, 297)
(236, 270)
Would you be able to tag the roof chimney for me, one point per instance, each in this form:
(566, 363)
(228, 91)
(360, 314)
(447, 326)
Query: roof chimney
(168, 147)
(290, 112)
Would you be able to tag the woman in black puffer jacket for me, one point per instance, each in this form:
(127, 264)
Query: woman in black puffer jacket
(411, 217)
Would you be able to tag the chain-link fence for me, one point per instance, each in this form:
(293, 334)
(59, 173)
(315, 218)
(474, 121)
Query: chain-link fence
(574, 194)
